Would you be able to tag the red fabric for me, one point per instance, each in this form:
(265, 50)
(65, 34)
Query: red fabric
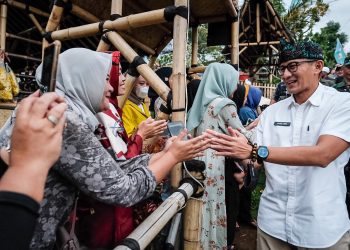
(114, 77)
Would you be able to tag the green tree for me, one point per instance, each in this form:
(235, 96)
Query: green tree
(327, 39)
(302, 17)
(206, 54)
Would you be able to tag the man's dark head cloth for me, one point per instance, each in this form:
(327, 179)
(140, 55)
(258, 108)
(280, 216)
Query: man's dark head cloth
(300, 50)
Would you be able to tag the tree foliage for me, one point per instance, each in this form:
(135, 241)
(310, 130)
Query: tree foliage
(206, 54)
(327, 39)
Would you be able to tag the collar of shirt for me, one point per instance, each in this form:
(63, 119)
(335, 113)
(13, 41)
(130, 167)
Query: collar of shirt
(315, 99)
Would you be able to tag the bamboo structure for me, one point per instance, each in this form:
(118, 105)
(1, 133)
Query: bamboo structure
(150, 227)
(30, 58)
(36, 23)
(23, 6)
(116, 9)
(24, 39)
(194, 60)
(258, 32)
(234, 42)
(261, 43)
(178, 79)
(123, 23)
(3, 18)
(155, 82)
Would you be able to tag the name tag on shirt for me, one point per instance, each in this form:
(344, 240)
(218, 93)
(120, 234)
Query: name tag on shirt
(283, 124)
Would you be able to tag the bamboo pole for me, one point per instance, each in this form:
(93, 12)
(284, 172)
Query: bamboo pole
(24, 57)
(36, 23)
(23, 39)
(198, 69)
(194, 60)
(129, 85)
(116, 8)
(258, 31)
(234, 42)
(138, 8)
(152, 61)
(231, 8)
(178, 78)
(212, 19)
(22, 6)
(242, 50)
(129, 54)
(138, 44)
(261, 43)
(53, 23)
(3, 26)
(277, 19)
(192, 224)
(274, 48)
(151, 226)
(123, 23)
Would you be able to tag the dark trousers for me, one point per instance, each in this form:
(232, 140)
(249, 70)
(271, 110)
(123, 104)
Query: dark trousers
(232, 202)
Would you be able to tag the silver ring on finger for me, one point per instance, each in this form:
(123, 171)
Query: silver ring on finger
(53, 119)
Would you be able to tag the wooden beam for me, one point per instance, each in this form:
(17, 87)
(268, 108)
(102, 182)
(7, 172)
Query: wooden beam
(30, 58)
(235, 42)
(36, 23)
(178, 78)
(23, 6)
(261, 43)
(123, 23)
(242, 50)
(194, 60)
(23, 39)
(231, 8)
(116, 8)
(258, 21)
(3, 18)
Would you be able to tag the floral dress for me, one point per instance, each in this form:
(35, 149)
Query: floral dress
(214, 221)
(85, 166)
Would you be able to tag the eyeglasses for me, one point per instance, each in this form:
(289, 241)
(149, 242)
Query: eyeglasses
(292, 67)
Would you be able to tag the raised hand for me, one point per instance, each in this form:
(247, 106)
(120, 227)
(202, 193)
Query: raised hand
(150, 128)
(184, 150)
(234, 145)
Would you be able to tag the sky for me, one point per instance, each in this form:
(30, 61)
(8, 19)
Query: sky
(338, 12)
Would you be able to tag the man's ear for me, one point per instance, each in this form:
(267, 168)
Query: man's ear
(319, 66)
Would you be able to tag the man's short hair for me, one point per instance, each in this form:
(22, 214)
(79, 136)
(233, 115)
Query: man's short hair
(300, 50)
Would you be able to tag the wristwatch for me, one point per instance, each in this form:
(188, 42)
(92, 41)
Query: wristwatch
(263, 153)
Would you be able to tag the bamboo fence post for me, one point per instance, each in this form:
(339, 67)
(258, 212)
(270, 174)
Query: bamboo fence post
(116, 9)
(178, 77)
(24, 57)
(3, 26)
(129, 54)
(194, 60)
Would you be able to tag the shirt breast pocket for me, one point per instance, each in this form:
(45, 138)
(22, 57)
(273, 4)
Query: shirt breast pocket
(311, 133)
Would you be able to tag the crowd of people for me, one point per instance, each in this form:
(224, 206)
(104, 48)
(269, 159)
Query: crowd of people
(78, 142)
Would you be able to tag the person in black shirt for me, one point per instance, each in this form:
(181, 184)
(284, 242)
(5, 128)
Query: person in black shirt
(35, 147)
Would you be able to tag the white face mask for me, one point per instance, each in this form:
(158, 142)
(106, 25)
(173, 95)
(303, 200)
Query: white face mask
(141, 92)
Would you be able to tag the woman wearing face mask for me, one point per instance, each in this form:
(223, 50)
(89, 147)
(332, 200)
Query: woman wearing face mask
(84, 165)
(135, 111)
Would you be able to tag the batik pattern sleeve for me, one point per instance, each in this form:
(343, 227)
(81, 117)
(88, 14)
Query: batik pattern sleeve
(90, 167)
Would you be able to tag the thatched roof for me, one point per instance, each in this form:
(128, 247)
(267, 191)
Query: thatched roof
(156, 37)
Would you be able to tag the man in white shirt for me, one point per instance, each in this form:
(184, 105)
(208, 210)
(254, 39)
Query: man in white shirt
(303, 142)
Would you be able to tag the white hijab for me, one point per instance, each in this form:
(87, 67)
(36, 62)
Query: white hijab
(81, 79)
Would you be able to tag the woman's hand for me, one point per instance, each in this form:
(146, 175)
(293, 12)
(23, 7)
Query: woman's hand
(150, 128)
(36, 141)
(183, 150)
(35, 144)
(234, 145)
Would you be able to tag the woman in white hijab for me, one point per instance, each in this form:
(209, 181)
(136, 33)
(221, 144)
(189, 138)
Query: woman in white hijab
(84, 165)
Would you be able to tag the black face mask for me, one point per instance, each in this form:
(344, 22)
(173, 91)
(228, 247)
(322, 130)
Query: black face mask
(238, 96)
